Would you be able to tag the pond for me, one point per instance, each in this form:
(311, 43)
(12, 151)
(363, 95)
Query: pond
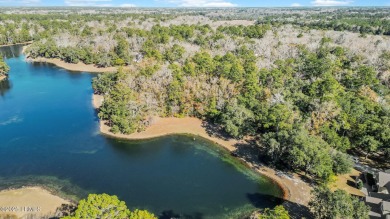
(49, 136)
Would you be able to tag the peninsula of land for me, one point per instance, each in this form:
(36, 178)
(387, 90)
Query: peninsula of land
(294, 189)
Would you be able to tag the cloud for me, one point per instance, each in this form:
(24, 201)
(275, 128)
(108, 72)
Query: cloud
(202, 3)
(296, 5)
(99, 3)
(127, 5)
(331, 2)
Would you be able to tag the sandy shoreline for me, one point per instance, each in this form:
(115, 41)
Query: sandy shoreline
(29, 200)
(2, 77)
(295, 190)
(14, 44)
(79, 67)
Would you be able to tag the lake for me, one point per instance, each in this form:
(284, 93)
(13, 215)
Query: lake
(49, 136)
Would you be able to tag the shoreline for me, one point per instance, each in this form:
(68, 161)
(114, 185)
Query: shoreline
(14, 44)
(41, 202)
(2, 77)
(293, 188)
(79, 67)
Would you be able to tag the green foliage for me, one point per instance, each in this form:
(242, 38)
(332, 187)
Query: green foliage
(122, 50)
(117, 110)
(149, 69)
(4, 68)
(338, 204)
(200, 63)
(360, 184)
(103, 83)
(150, 51)
(279, 212)
(100, 206)
(342, 163)
(104, 206)
(141, 214)
(174, 54)
(278, 117)
(237, 120)
(229, 66)
(311, 154)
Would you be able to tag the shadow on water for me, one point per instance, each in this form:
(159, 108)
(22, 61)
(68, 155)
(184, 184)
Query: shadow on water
(295, 210)
(13, 51)
(261, 200)
(5, 86)
(169, 214)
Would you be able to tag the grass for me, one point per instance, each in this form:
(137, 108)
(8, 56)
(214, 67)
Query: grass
(347, 182)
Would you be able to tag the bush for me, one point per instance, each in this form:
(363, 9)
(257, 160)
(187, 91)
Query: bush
(359, 184)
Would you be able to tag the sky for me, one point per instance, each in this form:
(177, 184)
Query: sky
(195, 3)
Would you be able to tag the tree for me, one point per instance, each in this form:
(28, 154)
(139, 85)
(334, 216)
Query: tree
(101, 206)
(311, 153)
(369, 143)
(229, 66)
(174, 54)
(4, 68)
(202, 63)
(122, 50)
(104, 206)
(336, 205)
(237, 120)
(141, 214)
(279, 212)
(277, 146)
(342, 163)
(279, 117)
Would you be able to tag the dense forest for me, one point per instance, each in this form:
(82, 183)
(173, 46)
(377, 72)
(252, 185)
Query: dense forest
(358, 20)
(307, 96)
(308, 86)
(305, 111)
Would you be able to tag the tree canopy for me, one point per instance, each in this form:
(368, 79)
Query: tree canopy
(104, 206)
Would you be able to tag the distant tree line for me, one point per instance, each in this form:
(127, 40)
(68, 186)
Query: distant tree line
(363, 23)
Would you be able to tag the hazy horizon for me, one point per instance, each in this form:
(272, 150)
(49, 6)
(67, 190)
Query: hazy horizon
(193, 3)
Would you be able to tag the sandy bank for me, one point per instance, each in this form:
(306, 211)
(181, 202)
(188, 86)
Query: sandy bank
(80, 67)
(295, 190)
(13, 44)
(29, 200)
(2, 77)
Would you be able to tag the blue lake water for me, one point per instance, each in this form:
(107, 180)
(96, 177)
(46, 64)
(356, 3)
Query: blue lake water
(49, 136)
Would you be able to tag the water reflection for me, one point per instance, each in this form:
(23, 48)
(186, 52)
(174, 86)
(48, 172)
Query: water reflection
(11, 51)
(5, 86)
